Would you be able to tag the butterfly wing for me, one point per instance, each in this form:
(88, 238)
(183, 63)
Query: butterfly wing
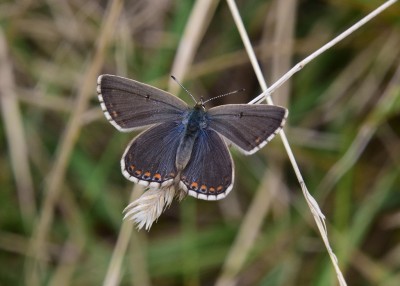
(209, 174)
(130, 105)
(150, 158)
(248, 127)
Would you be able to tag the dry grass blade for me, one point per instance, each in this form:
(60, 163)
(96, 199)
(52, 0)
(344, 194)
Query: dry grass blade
(16, 137)
(54, 181)
(262, 202)
(197, 24)
(321, 50)
(313, 205)
(114, 271)
(262, 233)
(248, 231)
(74, 245)
(361, 140)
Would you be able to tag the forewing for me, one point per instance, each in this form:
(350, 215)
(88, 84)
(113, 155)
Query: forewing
(249, 127)
(150, 158)
(209, 174)
(130, 105)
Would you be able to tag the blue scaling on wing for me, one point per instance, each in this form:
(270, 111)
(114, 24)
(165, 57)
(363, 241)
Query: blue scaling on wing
(209, 174)
(150, 158)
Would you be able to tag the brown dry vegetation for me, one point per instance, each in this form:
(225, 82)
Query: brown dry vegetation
(62, 193)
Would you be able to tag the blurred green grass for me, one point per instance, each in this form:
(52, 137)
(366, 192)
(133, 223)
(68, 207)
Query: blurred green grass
(332, 101)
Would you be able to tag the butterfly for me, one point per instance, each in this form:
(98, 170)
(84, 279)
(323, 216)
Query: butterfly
(184, 146)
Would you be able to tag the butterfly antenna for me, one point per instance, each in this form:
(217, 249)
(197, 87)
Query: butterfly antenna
(225, 94)
(174, 78)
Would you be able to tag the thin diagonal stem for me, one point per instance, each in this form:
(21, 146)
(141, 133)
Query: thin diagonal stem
(315, 210)
(300, 65)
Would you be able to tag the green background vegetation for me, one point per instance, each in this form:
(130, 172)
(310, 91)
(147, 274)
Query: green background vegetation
(59, 223)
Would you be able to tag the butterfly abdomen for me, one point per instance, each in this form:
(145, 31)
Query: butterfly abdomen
(194, 122)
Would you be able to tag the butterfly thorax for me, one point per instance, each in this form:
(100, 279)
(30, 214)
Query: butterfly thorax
(194, 122)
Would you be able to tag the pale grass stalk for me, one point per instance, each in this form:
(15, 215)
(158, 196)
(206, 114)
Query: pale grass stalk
(114, 271)
(340, 87)
(68, 258)
(363, 222)
(364, 135)
(313, 138)
(373, 272)
(16, 138)
(197, 24)
(54, 181)
(282, 44)
(139, 272)
(315, 210)
(248, 231)
(300, 65)
(283, 36)
(64, 17)
(38, 99)
(17, 244)
(369, 87)
(70, 254)
(272, 179)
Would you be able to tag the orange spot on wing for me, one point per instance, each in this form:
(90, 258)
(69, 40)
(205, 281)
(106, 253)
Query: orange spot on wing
(194, 185)
(157, 177)
(211, 190)
(203, 188)
(138, 172)
(146, 175)
(132, 167)
(220, 188)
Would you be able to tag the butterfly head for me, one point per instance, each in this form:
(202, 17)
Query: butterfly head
(200, 104)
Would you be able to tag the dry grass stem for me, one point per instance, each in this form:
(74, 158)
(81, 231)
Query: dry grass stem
(54, 181)
(363, 137)
(114, 271)
(261, 203)
(198, 21)
(247, 233)
(321, 50)
(332, 98)
(62, 189)
(16, 136)
(318, 216)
